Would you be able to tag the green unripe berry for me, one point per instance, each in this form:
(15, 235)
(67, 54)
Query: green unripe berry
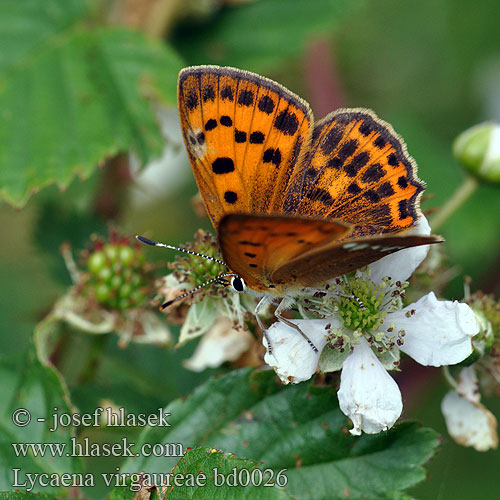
(111, 252)
(102, 293)
(96, 262)
(104, 274)
(125, 291)
(126, 255)
(116, 282)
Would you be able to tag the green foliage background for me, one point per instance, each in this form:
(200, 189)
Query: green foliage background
(74, 91)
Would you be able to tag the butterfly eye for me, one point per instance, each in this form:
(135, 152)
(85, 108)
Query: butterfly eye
(238, 284)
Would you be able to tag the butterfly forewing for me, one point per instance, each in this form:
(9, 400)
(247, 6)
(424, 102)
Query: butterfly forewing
(357, 170)
(255, 246)
(244, 135)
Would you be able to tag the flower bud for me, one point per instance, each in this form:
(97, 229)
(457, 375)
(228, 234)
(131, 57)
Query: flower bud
(478, 150)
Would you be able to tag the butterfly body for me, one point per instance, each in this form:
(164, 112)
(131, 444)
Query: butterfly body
(295, 203)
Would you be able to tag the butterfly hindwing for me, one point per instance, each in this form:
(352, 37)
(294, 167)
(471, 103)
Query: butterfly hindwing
(254, 246)
(357, 170)
(244, 135)
(325, 262)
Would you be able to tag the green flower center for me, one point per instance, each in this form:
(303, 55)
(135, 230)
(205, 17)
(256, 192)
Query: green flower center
(360, 305)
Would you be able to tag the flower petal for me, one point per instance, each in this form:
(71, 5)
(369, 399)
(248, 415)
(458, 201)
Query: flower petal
(400, 265)
(200, 318)
(468, 423)
(468, 384)
(222, 343)
(368, 395)
(292, 357)
(438, 333)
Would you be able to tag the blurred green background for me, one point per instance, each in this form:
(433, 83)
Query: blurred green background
(431, 69)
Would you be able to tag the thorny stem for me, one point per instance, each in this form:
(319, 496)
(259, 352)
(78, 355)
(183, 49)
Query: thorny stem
(459, 197)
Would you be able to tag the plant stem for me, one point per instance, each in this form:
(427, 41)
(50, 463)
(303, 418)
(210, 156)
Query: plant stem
(459, 197)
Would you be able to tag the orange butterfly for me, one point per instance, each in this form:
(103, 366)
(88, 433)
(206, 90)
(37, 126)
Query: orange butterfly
(294, 203)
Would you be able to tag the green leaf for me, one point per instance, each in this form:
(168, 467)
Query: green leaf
(299, 428)
(39, 389)
(72, 94)
(210, 473)
(260, 35)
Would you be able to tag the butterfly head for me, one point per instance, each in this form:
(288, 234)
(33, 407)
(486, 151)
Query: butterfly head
(226, 278)
(237, 284)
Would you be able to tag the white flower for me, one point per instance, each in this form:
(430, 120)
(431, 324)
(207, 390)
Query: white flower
(221, 343)
(365, 327)
(469, 422)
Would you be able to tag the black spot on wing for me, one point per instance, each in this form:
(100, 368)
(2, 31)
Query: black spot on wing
(403, 209)
(249, 254)
(385, 190)
(380, 142)
(227, 93)
(231, 197)
(347, 149)
(266, 105)
(320, 195)
(335, 162)
(365, 128)
(273, 156)
(373, 173)
(222, 165)
(358, 162)
(392, 160)
(250, 243)
(226, 121)
(331, 140)
(240, 136)
(211, 124)
(191, 101)
(403, 182)
(208, 93)
(256, 138)
(353, 188)
(371, 196)
(245, 97)
(286, 122)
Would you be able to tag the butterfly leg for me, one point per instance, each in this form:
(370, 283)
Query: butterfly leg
(283, 306)
(264, 302)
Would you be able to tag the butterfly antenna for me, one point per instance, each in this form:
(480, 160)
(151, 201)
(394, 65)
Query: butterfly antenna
(147, 241)
(350, 295)
(193, 291)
